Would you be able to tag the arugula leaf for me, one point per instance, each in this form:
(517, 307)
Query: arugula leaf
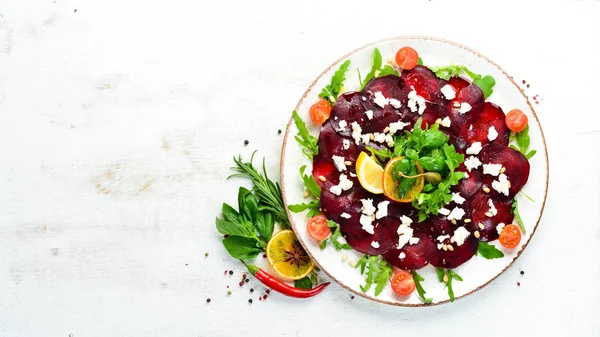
(335, 235)
(408, 168)
(418, 279)
(420, 61)
(432, 164)
(447, 277)
(380, 156)
(331, 91)
(440, 274)
(453, 159)
(242, 248)
(523, 141)
(388, 70)
(304, 138)
(379, 271)
(489, 251)
(304, 283)
(309, 182)
(377, 61)
(530, 154)
(514, 209)
(314, 191)
(485, 83)
(313, 208)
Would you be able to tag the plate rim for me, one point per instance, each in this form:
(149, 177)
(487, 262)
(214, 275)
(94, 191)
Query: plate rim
(286, 137)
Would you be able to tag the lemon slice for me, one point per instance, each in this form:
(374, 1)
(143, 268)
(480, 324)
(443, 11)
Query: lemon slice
(287, 258)
(370, 174)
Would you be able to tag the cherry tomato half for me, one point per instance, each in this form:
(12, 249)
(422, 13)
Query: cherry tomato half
(320, 111)
(516, 120)
(317, 227)
(403, 283)
(510, 236)
(407, 58)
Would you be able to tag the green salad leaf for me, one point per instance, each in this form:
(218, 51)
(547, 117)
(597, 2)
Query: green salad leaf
(523, 140)
(335, 235)
(332, 90)
(304, 138)
(485, 83)
(314, 191)
(378, 69)
(515, 210)
(378, 272)
(418, 279)
(446, 276)
(489, 251)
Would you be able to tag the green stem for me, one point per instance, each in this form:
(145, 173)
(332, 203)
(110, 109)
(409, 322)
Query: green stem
(251, 268)
(528, 197)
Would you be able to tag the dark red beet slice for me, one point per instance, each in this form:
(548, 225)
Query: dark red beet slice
(391, 87)
(479, 207)
(425, 83)
(348, 107)
(330, 144)
(381, 119)
(415, 256)
(515, 163)
(333, 205)
(491, 115)
(385, 234)
(468, 186)
(472, 95)
(460, 254)
(435, 226)
(458, 83)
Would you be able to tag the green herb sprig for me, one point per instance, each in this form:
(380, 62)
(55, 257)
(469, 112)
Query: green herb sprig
(378, 270)
(377, 69)
(446, 276)
(485, 83)
(332, 90)
(304, 138)
(314, 191)
(489, 251)
(268, 192)
(523, 140)
(335, 235)
(514, 209)
(420, 291)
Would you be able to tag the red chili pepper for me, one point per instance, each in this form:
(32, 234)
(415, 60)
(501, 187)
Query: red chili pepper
(282, 287)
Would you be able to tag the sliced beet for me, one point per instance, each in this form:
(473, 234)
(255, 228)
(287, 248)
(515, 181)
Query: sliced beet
(491, 115)
(479, 207)
(435, 226)
(459, 255)
(330, 144)
(385, 234)
(515, 163)
(471, 95)
(415, 256)
(468, 186)
(349, 108)
(381, 119)
(390, 86)
(425, 83)
(458, 83)
(333, 205)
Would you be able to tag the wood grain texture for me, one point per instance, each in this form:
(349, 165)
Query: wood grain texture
(118, 123)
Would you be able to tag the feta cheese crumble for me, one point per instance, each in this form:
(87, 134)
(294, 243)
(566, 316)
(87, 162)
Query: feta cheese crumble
(344, 185)
(457, 213)
(502, 185)
(395, 103)
(460, 235)
(406, 236)
(444, 211)
(492, 169)
(457, 198)
(356, 132)
(448, 92)
(492, 209)
(492, 133)
(382, 210)
(342, 125)
(367, 206)
(345, 215)
(475, 148)
(464, 108)
(369, 114)
(375, 244)
(402, 256)
(346, 144)
(416, 103)
(397, 126)
(367, 223)
(338, 161)
(446, 122)
(500, 227)
(406, 221)
(379, 99)
(472, 163)
(379, 137)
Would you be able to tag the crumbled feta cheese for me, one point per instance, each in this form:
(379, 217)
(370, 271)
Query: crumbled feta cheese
(492, 133)
(471, 127)
(406, 221)
(502, 185)
(379, 137)
(402, 256)
(364, 98)
(444, 211)
(395, 103)
(346, 144)
(345, 215)
(366, 138)
(446, 122)
(379, 99)
(474, 148)
(396, 126)
(448, 92)
(464, 108)
(367, 206)
(466, 175)
(336, 189)
(416, 103)
(492, 209)
(500, 227)
(492, 169)
(342, 125)
(457, 198)
(457, 213)
(460, 235)
(338, 161)
(472, 163)
(345, 183)
(369, 114)
(367, 224)
(389, 140)
(441, 238)
(356, 132)
(353, 175)
(406, 236)
(375, 244)
(382, 210)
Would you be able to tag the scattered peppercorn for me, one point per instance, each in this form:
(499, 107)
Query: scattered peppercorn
(243, 275)
(527, 85)
(247, 280)
(250, 301)
(246, 142)
(229, 292)
(352, 297)
(522, 272)
(75, 10)
(268, 291)
(264, 256)
(231, 272)
(208, 300)
(251, 290)
(279, 131)
(264, 297)
(519, 284)
(205, 254)
(524, 81)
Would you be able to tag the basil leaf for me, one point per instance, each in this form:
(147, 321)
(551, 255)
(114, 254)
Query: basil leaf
(232, 228)
(229, 213)
(431, 164)
(265, 224)
(433, 138)
(241, 248)
(304, 283)
(412, 154)
(250, 209)
(489, 251)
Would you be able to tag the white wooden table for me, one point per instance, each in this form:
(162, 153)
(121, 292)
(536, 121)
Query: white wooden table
(119, 119)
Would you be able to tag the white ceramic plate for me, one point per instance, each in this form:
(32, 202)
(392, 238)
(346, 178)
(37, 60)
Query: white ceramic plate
(478, 271)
